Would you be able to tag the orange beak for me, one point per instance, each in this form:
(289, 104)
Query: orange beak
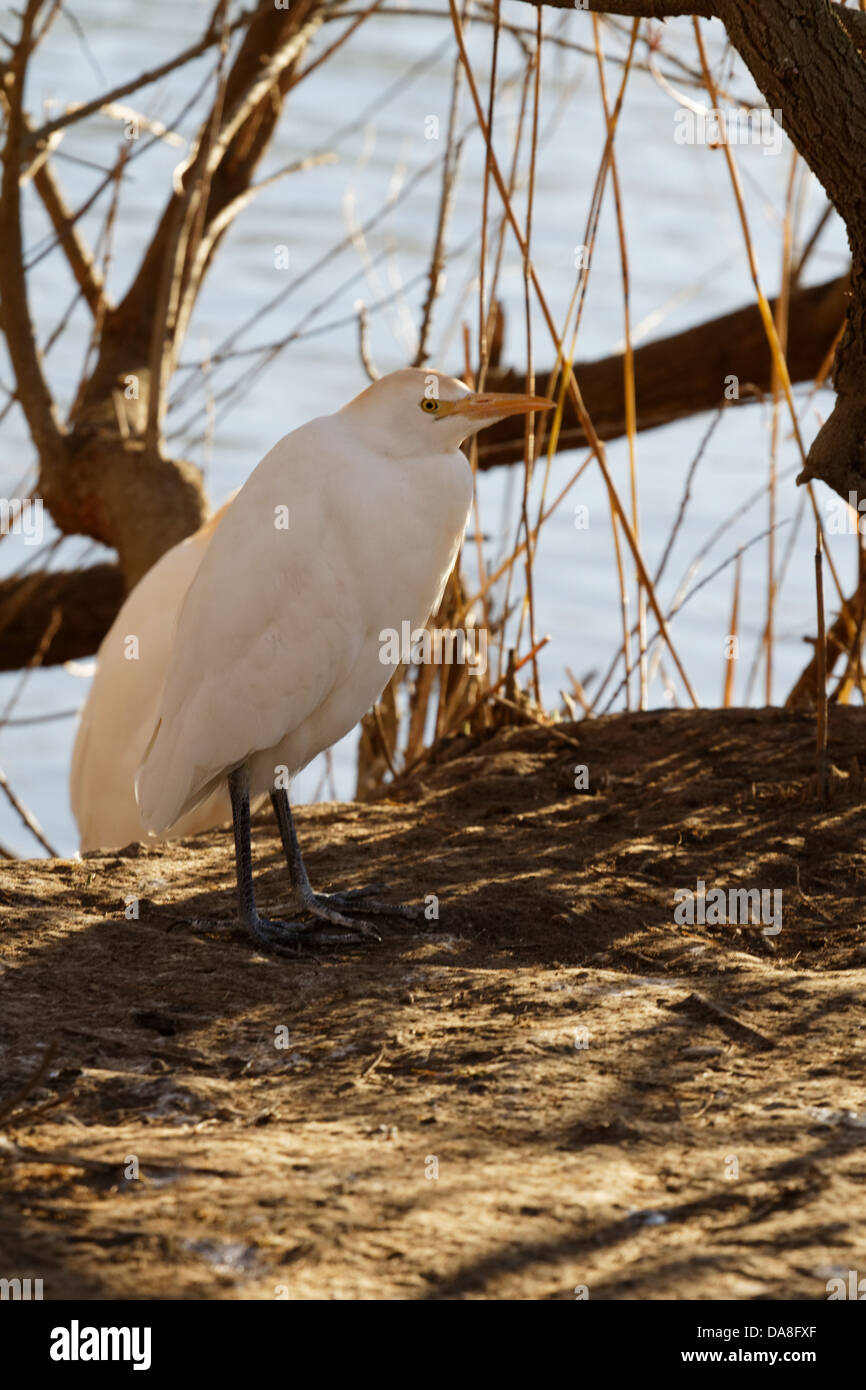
(496, 405)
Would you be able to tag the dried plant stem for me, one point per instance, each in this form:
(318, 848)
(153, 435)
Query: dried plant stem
(820, 675)
(508, 562)
(574, 389)
(467, 713)
(483, 351)
(779, 363)
(578, 297)
(728, 697)
(450, 167)
(483, 312)
(781, 323)
(628, 363)
(529, 436)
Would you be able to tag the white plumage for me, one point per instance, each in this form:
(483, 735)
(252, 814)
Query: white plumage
(277, 652)
(121, 708)
(278, 647)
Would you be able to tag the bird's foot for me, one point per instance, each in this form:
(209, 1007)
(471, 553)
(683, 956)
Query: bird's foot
(287, 938)
(348, 896)
(326, 907)
(363, 900)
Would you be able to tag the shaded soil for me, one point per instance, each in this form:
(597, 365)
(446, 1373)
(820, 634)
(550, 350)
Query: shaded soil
(554, 1085)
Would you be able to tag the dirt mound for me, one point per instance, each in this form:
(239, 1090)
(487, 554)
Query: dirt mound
(557, 1086)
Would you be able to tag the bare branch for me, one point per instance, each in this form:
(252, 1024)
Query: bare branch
(638, 9)
(33, 391)
(272, 44)
(188, 219)
(806, 57)
(854, 21)
(216, 216)
(84, 268)
(209, 39)
(685, 373)
(88, 601)
(26, 816)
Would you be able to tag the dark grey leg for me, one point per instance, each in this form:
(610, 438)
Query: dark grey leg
(284, 937)
(291, 848)
(329, 905)
(243, 856)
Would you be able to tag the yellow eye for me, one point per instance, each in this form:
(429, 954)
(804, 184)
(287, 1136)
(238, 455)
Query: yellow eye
(429, 405)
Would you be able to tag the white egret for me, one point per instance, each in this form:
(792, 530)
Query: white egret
(123, 703)
(346, 529)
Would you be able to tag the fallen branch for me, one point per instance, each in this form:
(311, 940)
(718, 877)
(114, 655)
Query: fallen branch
(684, 374)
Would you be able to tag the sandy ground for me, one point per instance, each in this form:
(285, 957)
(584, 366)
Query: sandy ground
(553, 1087)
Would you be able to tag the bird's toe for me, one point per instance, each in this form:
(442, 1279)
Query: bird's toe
(359, 900)
(289, 938)
(321, 907)
(346, 896)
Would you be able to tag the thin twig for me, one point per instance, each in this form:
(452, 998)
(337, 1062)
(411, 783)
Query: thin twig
(820, 677)
(31, 1083)
(211, 37)
(27, 817)
(728, 697)
(536, 719)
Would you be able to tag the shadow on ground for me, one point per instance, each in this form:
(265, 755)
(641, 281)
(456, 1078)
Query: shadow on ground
(555, 1086)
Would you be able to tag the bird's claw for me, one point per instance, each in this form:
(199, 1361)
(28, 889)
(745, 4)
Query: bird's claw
(288, 938)
(361, 900)
(322, 908)
(346, 896)
(327, 910)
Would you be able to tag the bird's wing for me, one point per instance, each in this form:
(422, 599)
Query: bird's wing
(121, 707)
(271, 624)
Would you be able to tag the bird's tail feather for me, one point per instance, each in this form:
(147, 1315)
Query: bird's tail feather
(164, 791)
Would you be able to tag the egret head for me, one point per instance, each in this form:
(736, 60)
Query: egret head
(418, 412)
